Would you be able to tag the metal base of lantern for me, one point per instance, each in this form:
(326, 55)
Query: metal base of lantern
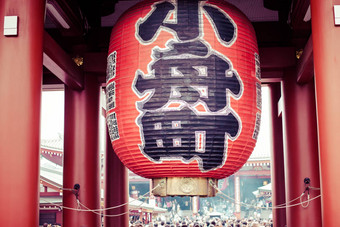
(184, 186)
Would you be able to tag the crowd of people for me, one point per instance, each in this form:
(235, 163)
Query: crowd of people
(187, 222)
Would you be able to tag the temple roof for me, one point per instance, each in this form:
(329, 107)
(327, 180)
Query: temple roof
(51, 172)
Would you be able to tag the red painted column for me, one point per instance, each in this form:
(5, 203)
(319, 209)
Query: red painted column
(300, 150)
(59, 217)
(326, 49)
(116, 189)
(237, 196)
(277, 160)
(20, 94)
(195, 205)
(81, 153)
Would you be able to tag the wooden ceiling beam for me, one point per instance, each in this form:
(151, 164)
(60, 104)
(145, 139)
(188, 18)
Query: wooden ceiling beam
(274, 60)
(61, 64)
(305, 67)
(66, 16)
(298, 19)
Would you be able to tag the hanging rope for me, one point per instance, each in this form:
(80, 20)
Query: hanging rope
(285, 205)
(100, 210)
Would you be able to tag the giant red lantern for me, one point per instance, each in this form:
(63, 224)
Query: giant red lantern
(183, 90)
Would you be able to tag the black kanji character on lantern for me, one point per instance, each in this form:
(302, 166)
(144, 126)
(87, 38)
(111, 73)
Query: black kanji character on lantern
(187, 26)
(187, 72)
(182, 75)
(180, 141)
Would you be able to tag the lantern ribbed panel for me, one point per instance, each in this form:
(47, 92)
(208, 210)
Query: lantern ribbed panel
(144, 137)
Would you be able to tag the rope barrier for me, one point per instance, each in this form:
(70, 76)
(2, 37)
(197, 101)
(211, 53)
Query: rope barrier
(284, 205)
(98, 211)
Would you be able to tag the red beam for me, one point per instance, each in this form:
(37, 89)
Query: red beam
(95, 62)
(273, 61)
(61, 64)
(49, 184)
(51, 151)
(272, 76)
(305, 70)
(49, 194)
(274, 58)
(254, 173)
(258, 162)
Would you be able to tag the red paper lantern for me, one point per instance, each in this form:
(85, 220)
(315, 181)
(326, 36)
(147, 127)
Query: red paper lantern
(183, 89)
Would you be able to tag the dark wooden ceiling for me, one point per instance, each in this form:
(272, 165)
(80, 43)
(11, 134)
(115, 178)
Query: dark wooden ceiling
(282, 23)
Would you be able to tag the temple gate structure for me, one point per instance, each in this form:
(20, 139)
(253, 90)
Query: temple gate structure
(54, 43)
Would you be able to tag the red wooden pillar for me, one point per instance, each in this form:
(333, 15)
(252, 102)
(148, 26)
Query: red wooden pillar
(81, 153)
(277, 160)
(300, 150)
(20, 94)
(195, 205)
(326, 49)
(237, 196)
(116, 189)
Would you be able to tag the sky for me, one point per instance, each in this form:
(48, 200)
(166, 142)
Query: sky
(263, 144)
(52, 114)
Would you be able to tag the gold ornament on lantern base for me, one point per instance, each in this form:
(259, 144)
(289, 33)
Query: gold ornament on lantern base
(184, 186)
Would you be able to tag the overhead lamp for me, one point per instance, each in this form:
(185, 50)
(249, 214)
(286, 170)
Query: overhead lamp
(78, 60)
